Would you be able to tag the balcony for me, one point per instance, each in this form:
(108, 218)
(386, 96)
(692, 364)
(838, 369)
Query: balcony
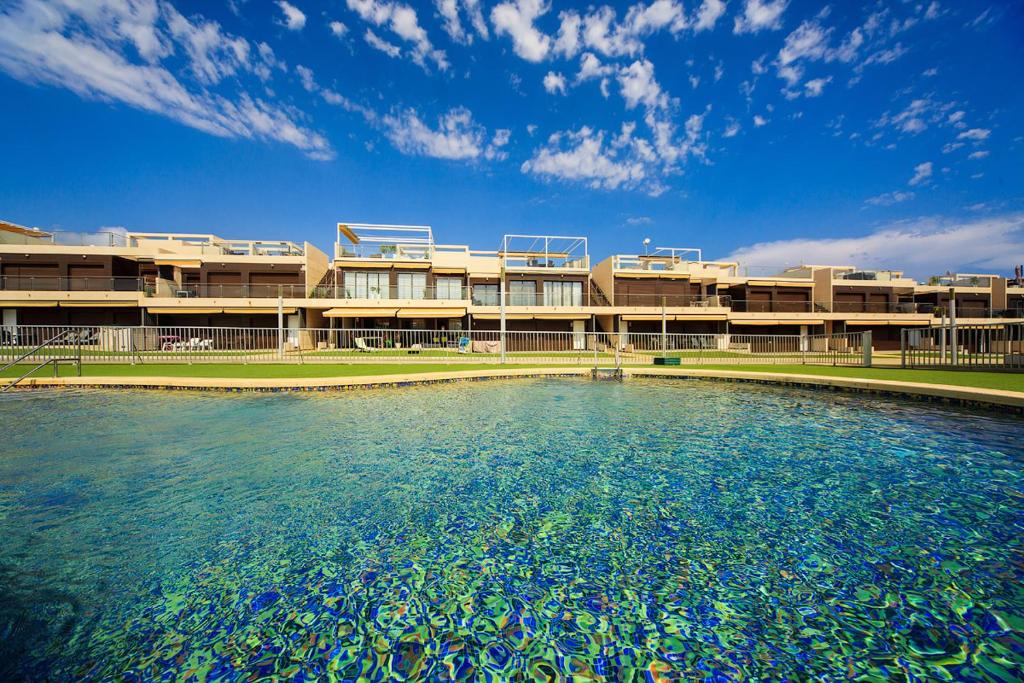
(903, 307)
(47, 283)
(189, 243)
(392, 293)
(544, 252)
(745, 306)
(239, 291)
(672, 300)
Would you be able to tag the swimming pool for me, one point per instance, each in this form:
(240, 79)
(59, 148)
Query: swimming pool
(611, 531)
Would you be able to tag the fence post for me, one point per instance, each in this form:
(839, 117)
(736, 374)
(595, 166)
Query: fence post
(865, 342)
(664, 329)
(903, 347)
(954, 355)
(280, 327)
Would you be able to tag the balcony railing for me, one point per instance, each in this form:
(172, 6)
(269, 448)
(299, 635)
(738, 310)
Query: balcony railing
(66, 238)
(673, 300)
(880, 307)
(743, 306)
(55, 283)
(240, 291)
(390, 293)
(513, 262)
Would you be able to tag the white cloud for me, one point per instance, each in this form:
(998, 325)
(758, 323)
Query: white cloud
(623, 161)
(814, 88)
(294, 19)
(759, 15)
(113, 52)
(638, 220)
(568, 42)
(974, 134)
(212, 54)
(338, 29)
(554, 83)
(917, 116)
(306, 77)
(515, 19)
(591, 67)
(708, 14)
(637, 85)
(980, 154)
(402, 21)
(922, 172)
(376, 42)
(889, 198)
(457, 136)
(586, 158)
(450, 12)
(922, 247)
(731, 130)
(759, 121)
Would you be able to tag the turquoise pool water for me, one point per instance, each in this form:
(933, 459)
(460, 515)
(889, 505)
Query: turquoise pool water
(528, 530)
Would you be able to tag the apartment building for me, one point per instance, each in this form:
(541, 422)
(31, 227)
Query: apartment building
(398, 277)
(126, 278)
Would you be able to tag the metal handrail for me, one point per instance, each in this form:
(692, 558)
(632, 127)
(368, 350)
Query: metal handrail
(77, 359)
(52, 340)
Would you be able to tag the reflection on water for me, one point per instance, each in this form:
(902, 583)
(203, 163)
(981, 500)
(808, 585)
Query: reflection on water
(528, 530)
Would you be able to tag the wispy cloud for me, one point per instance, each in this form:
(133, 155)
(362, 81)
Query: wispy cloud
(457, 136)
(294, 18)
(118, 55)
(921, 247)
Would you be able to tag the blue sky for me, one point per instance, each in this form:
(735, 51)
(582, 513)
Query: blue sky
(877, 134)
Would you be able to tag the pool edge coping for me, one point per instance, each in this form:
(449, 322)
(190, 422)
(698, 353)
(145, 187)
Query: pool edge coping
(1011, 400)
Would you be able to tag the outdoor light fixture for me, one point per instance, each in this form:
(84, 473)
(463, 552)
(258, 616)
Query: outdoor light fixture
(647, 242)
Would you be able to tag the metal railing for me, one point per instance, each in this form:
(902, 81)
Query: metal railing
(672, 300)
(340, 291)
(56, 283)
(880, 307)
(66, 238)
(996, 346)
(240, 291)
(759, 306)
(179, 344)
(35, 357)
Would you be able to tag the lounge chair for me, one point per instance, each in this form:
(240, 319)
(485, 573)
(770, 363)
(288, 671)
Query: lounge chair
(361, 345)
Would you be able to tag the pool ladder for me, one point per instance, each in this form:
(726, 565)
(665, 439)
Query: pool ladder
(55, 362)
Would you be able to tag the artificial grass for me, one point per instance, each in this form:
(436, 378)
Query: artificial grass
(1007, 381)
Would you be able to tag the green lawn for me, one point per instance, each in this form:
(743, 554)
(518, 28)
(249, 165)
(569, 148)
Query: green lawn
(1009, 381)
(988, 380)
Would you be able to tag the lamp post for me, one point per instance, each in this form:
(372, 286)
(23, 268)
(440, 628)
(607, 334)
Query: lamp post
(647, 242)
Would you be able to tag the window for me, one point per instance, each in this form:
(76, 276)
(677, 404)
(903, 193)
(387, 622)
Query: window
(449, 288)
(559, 293)
(359, 285)
(412, 285)
(485, 295)
(522, 293)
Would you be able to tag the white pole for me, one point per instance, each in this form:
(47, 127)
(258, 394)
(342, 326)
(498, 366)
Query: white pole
(952, 325)
(664, 329)
(280, 327)
(501, 303)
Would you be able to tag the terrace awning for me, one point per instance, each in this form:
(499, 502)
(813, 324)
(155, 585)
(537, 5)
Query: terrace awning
(258, 311)
(183, 309)
(532, 316)
(29, 304)
(360, 313)
(778, 283)
(181, 263)
(648, 274)
(431, 312)
(637, 317)
(103, 304)
(776, 321)
(889, 322)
